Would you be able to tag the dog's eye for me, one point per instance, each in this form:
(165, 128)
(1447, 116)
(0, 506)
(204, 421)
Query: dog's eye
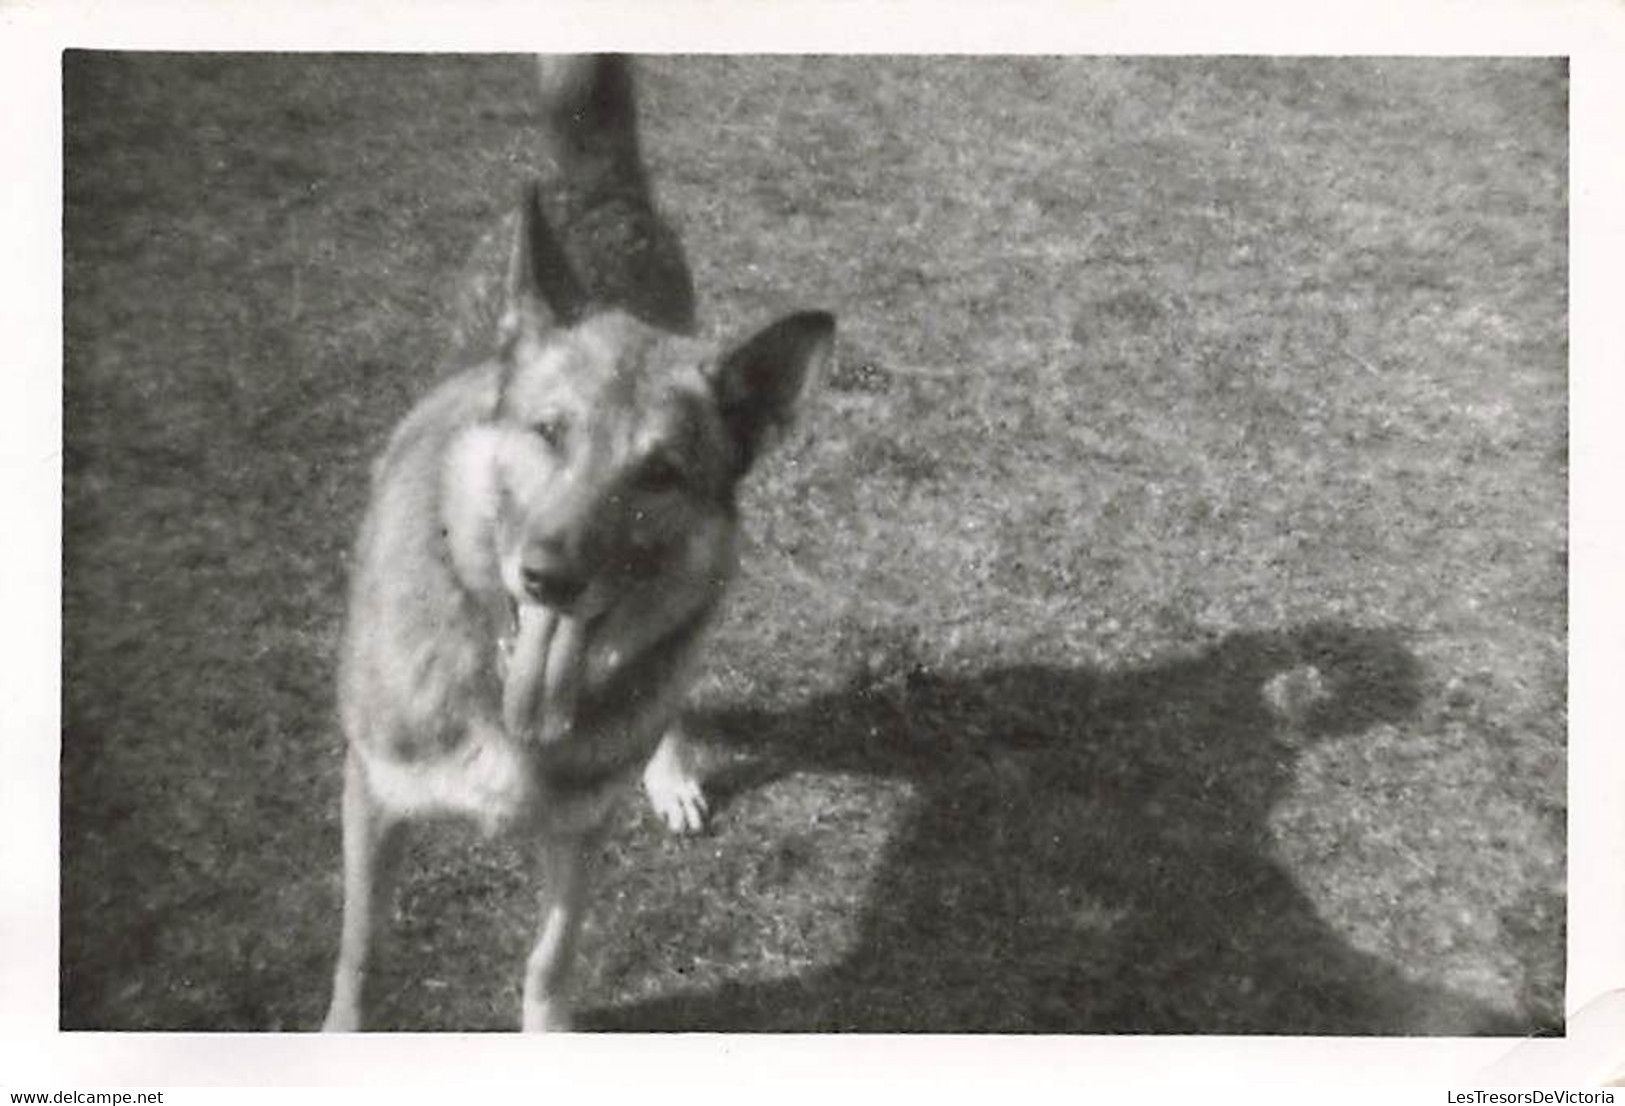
(551, 430)
(660, 474)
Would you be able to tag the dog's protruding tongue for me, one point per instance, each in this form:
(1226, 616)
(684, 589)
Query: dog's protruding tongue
(543, 687)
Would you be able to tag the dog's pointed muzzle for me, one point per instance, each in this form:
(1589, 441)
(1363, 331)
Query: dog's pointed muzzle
(553, 586)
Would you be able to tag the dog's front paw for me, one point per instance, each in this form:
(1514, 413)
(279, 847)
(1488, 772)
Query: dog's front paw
(676, 794)
(342, 1018)
(681, 805)
(546, 1016)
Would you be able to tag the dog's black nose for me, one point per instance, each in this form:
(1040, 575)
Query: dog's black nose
(553, 587)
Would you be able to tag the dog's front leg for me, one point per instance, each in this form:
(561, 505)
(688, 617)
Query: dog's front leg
(564, 868)
(372, 856)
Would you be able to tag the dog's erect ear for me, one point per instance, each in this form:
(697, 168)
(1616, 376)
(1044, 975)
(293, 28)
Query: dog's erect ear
(541, 288)
(759, 384)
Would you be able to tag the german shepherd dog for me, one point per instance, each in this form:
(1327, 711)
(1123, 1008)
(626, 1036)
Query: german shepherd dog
(549, 535)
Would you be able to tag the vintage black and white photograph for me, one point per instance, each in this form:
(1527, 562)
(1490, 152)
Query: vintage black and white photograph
(793, 543)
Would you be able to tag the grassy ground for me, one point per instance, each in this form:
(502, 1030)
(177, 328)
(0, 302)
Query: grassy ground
(1160, 629)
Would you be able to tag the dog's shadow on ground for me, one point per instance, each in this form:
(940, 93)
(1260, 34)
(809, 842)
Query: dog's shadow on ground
(1087, 852)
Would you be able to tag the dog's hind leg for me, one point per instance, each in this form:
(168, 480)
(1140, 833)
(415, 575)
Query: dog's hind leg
(372, 857)
(565, 868)
(672, 786)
